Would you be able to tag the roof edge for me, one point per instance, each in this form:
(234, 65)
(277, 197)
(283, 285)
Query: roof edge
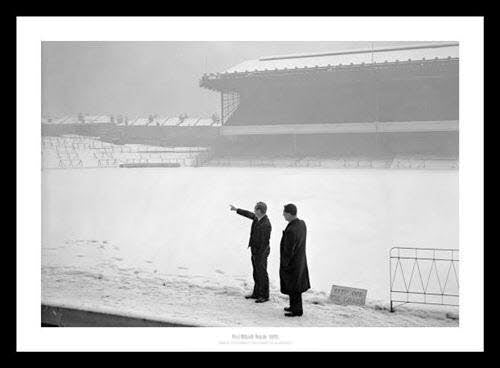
(360, 51)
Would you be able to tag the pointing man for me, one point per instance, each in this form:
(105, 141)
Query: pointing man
(294, 275)
(259, 244)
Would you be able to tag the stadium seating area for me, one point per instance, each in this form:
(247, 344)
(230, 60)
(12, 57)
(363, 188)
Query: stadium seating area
(74, 151)
(388, 150)
(398, 162)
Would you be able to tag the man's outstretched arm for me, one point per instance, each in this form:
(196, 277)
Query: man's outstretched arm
(243, 212)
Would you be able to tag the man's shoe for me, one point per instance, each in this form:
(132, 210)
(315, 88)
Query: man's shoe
(262, 300)
(251, 297)
(287, 309)
(293, 314)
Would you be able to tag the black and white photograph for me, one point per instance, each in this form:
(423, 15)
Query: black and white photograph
(246, 185)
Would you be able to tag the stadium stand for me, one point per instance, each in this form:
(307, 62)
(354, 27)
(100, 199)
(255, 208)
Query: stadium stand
(354, 108)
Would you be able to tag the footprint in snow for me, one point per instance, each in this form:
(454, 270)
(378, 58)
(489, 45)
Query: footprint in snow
(221, 272)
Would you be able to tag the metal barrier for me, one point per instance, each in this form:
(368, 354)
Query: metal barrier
(423, 276)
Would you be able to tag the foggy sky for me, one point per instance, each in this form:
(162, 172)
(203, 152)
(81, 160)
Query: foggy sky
(142, 78)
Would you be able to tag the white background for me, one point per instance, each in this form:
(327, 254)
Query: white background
(31, 31)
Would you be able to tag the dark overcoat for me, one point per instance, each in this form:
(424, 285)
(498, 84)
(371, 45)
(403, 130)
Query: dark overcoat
(294, 275)
(260, 232)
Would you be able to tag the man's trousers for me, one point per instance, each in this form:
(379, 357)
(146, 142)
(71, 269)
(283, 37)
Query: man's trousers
(260, 277)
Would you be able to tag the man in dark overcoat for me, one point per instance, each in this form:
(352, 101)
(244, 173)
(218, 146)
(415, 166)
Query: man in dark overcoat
(260, 233)
(294, 275)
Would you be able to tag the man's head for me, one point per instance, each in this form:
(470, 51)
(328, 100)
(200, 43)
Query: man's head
(290, 212)
(260, 209)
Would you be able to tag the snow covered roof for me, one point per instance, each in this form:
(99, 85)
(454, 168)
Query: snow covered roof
(140, 121)
(97, 119)
(74, 119)
(172, 121)
(205, 122)
(338, 59)
(189, 122)
(67, 120)
(355, 57)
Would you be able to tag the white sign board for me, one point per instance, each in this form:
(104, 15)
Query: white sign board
(347, 296)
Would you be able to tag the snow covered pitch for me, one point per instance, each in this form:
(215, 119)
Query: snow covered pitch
(162, 243)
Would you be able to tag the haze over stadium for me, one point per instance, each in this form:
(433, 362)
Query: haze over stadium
(142, 78)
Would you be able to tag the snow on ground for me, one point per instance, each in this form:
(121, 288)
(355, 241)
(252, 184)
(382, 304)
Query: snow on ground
(162, 243)
(107, 286)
